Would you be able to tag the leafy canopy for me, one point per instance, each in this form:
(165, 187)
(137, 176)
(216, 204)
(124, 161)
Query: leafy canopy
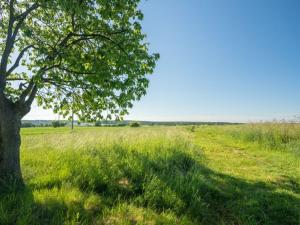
(88, 57)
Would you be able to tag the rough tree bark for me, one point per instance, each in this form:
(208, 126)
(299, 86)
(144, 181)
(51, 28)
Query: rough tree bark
(11, 112)
(10, 141)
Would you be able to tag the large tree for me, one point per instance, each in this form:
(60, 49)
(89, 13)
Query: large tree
(87, 57)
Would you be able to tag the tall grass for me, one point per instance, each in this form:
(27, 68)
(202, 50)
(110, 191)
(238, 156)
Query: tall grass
(275, 135)
(132, 176)
(102, 176)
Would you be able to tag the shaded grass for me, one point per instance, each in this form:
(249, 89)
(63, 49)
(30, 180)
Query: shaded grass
(154, 175)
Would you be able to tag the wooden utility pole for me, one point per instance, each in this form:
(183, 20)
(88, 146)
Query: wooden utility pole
(72, 123)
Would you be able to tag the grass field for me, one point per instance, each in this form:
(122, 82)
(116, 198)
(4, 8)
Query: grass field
(225, 175)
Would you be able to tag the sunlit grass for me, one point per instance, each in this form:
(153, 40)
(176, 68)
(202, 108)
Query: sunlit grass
(154, 175)
(280, 136)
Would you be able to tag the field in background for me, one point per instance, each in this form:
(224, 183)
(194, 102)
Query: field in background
(233, 174)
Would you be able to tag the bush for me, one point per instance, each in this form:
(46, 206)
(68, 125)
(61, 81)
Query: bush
(135, 124)
(121, 125)
(58, 124)
(98, 124)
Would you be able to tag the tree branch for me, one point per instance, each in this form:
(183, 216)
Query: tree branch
(15, 79)
(24, 106)
(11, 37)
(17, 62)
(21, 18)
(75, 72)
(31, 89)
(28, 11)
(91, 36)
(8, 42)
(65, 40)
(31, 96)
(26, 92)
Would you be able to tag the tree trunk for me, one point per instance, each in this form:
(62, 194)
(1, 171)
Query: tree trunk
(10, 141)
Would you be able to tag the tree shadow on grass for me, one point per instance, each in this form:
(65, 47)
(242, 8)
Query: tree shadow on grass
(19, 207)
(211, 197)
(175, 182)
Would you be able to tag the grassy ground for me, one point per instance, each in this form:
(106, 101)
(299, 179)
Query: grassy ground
(158, 175)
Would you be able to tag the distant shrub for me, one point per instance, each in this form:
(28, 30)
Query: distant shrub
(135, 124)
(58, 124)
(98, 124)
(121, 125)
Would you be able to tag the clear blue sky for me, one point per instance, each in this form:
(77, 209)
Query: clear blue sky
(233, 60)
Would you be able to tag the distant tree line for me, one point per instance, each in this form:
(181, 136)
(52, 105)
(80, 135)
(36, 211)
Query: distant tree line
(101, 124)
(111, 123)
(52, 124)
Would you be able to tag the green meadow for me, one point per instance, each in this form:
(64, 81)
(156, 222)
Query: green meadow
(206, 175)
